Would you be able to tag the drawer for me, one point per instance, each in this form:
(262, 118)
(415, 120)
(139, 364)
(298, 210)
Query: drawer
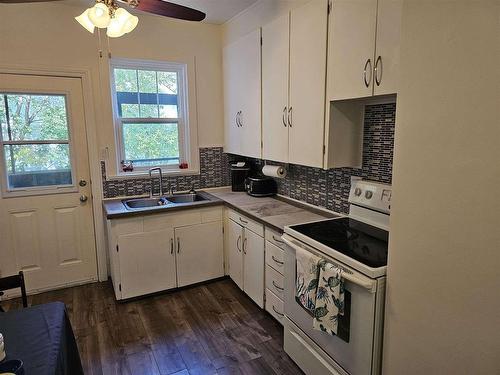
(246, 222)
(275, 282)
(274, 306)
(275, 257)
(274, 237)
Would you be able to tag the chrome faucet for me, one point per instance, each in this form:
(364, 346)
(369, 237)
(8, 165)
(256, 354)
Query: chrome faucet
(151, 170)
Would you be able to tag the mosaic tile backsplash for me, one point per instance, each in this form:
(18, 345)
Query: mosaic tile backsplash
(330, 188)
(214, 172)
(325, 188)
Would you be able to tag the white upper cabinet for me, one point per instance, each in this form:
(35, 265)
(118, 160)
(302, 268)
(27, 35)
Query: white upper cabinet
(242, 96)
(363, 52)
(308, 50)
(386, 70)
(275, 78)
(351, 49)
(293, 85)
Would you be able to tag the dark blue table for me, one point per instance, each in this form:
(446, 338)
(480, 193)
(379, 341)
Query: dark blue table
(41, 336)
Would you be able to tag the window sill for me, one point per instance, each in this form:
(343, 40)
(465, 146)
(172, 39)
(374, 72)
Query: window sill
(145, 174)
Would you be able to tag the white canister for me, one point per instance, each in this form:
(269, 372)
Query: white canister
(2, 348)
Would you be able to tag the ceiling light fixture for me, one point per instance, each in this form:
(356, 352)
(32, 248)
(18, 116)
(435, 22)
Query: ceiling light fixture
(107, 15)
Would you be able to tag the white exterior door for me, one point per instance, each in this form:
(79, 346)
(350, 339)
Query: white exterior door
(200, 254)
(235, 254)
(275, 75)
(253, 266)
(46, 219)
(147, 262)
(308, 44)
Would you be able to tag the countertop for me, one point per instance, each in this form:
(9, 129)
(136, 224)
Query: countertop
(275, 212)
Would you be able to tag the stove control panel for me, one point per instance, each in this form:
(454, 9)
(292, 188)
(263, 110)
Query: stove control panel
(372, 195)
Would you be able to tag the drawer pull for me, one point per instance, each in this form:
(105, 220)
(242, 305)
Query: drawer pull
(243, 221)
(276, 260)
(277, 312)
(277, 239)
(277, 286)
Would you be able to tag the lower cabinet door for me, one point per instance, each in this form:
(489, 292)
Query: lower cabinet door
(253, 266)
(147, 262)
(200, 253)
(235, 254)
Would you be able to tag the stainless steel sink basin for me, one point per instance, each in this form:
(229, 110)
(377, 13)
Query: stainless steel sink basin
(144, 203)
(186, 198)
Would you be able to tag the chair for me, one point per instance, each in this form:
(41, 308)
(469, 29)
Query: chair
(12, 282)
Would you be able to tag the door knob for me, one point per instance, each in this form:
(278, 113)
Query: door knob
(82, 183)
(83, 198)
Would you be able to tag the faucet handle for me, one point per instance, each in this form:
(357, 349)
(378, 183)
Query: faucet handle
(192, 191)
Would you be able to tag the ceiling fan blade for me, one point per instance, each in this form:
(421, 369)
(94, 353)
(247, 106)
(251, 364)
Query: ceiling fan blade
(164, 8)
(24, 1)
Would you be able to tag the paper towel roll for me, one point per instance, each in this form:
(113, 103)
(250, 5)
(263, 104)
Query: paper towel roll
(274, 171)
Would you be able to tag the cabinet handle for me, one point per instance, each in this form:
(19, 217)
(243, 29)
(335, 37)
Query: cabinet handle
(171, 246)
(237, 119)
(277, 286)
(276, 260)
(244, 247)
(277, 239)
(377, 79)
(243, 221)
(178, 245)
(277, 312)
(367, 82)
(238, 243)
(290, 117)
(283, 117)
(240, 118)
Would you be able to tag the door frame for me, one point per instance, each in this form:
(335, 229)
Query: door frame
(90, 120)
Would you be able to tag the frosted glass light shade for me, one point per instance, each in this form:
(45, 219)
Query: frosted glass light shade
(99, 15)
(115, 28)
(122, 22)
(84, 20)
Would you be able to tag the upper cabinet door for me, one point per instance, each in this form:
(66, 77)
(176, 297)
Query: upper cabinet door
(275, 73)
(351, 49)
(249, 84)
(386, 73)
(232, 90)
(308, 45)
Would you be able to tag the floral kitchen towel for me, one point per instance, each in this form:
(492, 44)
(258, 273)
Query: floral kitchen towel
(329, 298)
(306, 281)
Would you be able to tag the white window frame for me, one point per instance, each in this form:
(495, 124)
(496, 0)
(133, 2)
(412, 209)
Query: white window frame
(185, 151)
(7, 191)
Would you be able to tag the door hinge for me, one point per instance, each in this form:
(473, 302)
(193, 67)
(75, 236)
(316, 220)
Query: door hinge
(117, 248)
(120, 287)
(261, 145)
(324, 149)
(260, 40)
(223, 229)
(329, 7)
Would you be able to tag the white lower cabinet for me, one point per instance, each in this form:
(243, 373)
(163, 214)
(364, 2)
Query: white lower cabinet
(275, 285)
(153, 253)
(245, 250)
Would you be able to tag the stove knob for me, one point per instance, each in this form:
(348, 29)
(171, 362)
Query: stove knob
(368, 194)
(357, 192)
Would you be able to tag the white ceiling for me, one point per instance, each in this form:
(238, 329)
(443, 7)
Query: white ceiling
(218, 11)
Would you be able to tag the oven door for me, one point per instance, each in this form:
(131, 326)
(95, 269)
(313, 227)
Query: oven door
(360, 353)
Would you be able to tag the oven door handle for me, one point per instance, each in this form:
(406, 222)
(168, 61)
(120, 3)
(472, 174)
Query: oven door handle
(369, 284)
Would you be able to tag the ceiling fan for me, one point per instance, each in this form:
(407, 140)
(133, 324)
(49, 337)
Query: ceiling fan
(106, 14)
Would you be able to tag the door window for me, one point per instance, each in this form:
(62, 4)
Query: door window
(35, 141)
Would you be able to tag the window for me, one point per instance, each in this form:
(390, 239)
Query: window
(35, 140)
(150, 104)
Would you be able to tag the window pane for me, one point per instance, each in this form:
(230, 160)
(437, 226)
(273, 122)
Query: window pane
(168, 111)
(149, 110)
(38, 165)
(33, 117)
(130, 110)
(147, 81)
(151, 144)
(126, 80)
(167, 82)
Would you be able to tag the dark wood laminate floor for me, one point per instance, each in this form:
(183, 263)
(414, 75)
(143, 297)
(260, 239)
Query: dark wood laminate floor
(209, 329)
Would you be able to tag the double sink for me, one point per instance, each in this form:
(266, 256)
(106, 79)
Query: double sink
(165, 201)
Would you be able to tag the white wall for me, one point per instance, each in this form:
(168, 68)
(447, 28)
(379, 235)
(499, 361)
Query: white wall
(261, 13)
(443, 296)
(45, 34)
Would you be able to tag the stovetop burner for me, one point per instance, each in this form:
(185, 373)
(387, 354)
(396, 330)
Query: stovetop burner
(362, 242)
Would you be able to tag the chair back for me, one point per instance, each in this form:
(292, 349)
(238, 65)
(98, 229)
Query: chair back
(13, 282)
